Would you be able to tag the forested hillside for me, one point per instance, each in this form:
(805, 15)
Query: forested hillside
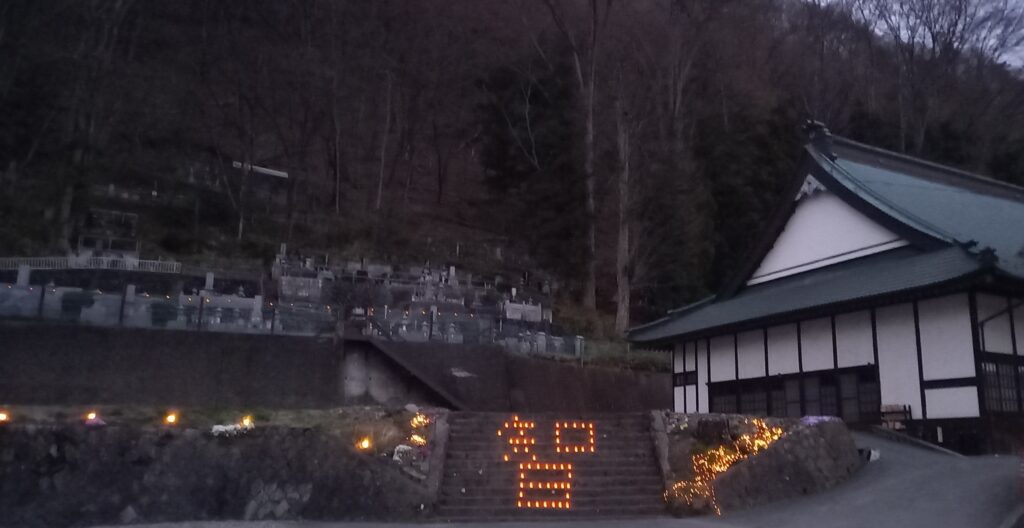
(632, 149)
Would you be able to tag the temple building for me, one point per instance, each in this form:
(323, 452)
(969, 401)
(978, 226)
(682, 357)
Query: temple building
(884, 283)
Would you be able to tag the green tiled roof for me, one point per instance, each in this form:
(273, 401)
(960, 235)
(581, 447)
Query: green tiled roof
(886, 273)
(954, 208)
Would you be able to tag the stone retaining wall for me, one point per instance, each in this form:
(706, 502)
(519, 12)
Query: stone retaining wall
(807, 459)
(812, 455)
(73, 475)
(52, 364)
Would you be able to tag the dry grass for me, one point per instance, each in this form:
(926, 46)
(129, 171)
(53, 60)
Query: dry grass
(619, 354)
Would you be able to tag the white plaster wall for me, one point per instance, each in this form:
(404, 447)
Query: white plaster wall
(355, 374)
(897, 357)
(383, 383)
(853, 339)
(677, 400)
(782, 352)
(816, 344)
(723, 358)
(1018, 325)
(679, 357)
(823, 230)
(955, 402)
(989, 304)
(947, 349)
(685, 361)
(995, 332)
(750, 351)
(702, 376)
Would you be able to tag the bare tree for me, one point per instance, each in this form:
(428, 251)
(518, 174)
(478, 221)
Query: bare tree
(622, 245)
(584, 50)
(92, 104)
(930, 39)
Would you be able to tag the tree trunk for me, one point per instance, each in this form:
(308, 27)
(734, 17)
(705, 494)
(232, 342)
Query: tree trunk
(336, 119)
(65, 221)
(622, 278)
(585, 64)
(384, 146)
(590, 288)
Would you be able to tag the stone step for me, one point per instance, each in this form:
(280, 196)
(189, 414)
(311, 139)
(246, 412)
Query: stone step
(487, 513)
(609, 486)
(608, 445)
(483, 457)
(620, 479)
(582, 469)
(494, 479)
(510, 480)
(548, 436)
(493, 427)
(615, 444)
(575, 500)
(549, 415)
(643, 454)
(478, 456)
(543, 425)
(589, 463)
(653, 489)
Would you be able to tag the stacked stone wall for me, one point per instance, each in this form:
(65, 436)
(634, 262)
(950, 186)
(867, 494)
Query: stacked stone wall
(812, 455)
(72, 475)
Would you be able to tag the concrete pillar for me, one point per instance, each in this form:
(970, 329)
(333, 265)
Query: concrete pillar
(257, 310)
(355, 374)
(384, 385)
(23, 273)
(129, 293)
(209, 281)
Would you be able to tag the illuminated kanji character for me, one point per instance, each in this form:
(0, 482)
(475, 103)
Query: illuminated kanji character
(544, 484)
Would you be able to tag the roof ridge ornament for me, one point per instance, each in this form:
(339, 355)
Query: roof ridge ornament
(986, 255)
(819, 137)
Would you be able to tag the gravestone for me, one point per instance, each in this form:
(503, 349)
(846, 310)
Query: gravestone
(23, 273)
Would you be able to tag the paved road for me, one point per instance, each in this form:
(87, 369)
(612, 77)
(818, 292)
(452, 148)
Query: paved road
(908, 487)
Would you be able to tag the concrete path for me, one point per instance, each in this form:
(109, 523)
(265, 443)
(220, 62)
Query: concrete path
(908, 487)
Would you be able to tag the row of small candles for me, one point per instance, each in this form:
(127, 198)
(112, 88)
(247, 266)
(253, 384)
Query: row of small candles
(171, 418)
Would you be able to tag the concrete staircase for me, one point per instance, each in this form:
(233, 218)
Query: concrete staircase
(599, 465)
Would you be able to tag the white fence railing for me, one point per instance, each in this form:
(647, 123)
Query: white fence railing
(112, 263)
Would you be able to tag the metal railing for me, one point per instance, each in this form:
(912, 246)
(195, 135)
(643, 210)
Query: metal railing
(110, 263)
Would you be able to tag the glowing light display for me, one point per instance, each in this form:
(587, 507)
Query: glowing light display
(420, 420)
(587, 446)
(545, 484)
(364, 443)
(171, 418)
(711, 463)
(4, 417)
